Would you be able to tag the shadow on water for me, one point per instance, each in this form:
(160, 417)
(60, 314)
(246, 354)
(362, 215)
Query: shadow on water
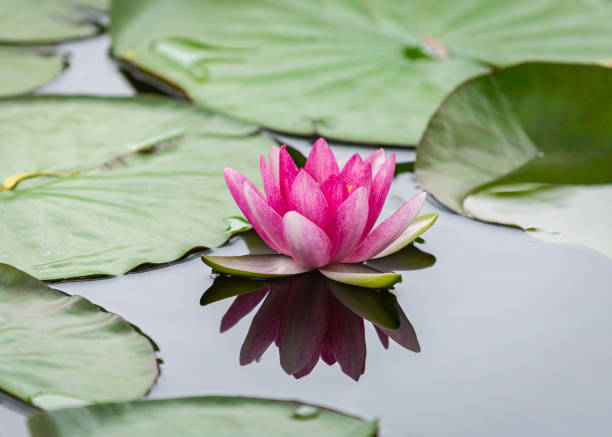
(310, 317)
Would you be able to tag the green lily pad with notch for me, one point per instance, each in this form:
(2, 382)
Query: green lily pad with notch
(198, 416)
(49, 21)
(23, 70)
(58, 350)
(99, 186)
(370, 71)
(527, 146)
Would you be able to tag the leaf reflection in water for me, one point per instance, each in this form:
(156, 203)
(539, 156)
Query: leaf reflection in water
(310, 317)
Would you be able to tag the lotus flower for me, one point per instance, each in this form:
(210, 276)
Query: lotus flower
(322, 217)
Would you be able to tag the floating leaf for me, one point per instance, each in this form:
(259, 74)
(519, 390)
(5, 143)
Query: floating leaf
(360, 71)
(139, 180)
(58, 350)
(48, 21)
(528, 146)
(23, 71)
(211, 416)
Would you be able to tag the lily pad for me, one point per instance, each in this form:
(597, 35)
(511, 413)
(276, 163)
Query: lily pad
(357, 71)
(48, 21)
(23, 71)
(198, 416)
(528, 146)
(58, 350)
(98, 186)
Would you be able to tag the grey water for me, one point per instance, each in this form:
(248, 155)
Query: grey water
(514, 332)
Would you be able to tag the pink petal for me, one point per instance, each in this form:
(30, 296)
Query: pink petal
(346, 337)
(303, 327)
(385, 233)
(274, 164)
(335, 191)
(307, 198)
(321, 162)
(273, 193)
(378, 194)
(287, 171)
(235, 182)
(346, 225)
(307, 243)
(357, 173)
(265, 326)
(242, 305)
(415, 229)
(265, 220)
(377, 159)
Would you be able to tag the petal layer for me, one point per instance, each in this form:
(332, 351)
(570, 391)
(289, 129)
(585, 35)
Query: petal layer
(271, 188)
(335, 191)
(346, 225)
(306, 242)
(307, 198)
(321, 162)
(376, 159)
(286, 171)
(265, 220)
(380, 188)
(418, 226)
(385, 233)
(357, 173)
(255, 266)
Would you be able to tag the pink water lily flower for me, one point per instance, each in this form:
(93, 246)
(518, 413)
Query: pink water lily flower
(323, 217)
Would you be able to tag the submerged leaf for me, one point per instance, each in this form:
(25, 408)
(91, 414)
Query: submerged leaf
(527, 146)
(58, 350)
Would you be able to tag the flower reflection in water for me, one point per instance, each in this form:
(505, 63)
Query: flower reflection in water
(310, 317)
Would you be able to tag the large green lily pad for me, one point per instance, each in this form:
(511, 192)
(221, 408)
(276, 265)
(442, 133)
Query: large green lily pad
(529, 146)
(24, 71)
(58, 350)
(369, 71)
(48, 21)
(201, 416)
(119, 182)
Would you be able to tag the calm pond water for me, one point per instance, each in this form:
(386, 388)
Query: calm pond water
(513, 332)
